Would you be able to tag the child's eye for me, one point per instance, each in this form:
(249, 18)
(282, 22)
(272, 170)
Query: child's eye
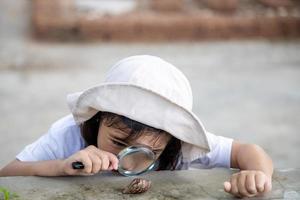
(119, 143)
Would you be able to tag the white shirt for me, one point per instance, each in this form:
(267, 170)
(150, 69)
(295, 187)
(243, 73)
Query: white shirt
(64, 139)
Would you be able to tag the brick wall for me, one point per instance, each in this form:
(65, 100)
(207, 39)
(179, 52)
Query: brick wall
(160, 20)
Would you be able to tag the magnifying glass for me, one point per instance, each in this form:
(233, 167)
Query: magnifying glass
(133, 161)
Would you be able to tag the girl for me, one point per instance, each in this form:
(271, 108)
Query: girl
(144, 100)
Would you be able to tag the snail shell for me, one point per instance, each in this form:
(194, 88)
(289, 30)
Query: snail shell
(137, 186)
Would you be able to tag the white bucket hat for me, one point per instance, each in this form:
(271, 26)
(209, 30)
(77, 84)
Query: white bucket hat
(149, 90)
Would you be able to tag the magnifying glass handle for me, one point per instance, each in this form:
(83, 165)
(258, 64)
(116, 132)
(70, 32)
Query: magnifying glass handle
(77, 165)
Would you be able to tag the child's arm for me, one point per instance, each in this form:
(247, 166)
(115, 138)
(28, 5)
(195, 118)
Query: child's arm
(256, 166)
(40, 168)
(94, 160)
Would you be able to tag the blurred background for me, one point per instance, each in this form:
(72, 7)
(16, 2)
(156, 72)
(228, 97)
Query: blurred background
(241, 57)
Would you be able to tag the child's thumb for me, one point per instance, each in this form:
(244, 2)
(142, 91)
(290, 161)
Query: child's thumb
(227, 186)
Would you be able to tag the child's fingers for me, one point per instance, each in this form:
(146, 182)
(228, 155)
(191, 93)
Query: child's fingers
(250, 184)
(107, 159)
(96, 163)
(102, 155)
(113, 160)
(105, 162)
(227, 186)
(241, 184)
(87, 162)
(234, 188)
(268, 185)
(260, 180)
(110, 167)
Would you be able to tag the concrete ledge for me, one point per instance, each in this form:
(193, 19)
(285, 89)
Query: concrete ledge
(191, 184)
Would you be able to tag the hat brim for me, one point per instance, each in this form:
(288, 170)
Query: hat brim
(144, 106)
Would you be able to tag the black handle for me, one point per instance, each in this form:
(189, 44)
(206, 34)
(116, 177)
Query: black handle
(77, 165)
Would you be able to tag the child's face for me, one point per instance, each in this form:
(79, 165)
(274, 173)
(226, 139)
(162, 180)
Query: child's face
(114, 140)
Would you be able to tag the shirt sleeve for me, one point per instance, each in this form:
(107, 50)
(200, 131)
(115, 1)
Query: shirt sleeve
(42, 149)
(220, 154)
(62, 140)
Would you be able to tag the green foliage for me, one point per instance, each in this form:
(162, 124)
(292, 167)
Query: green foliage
(5, 194)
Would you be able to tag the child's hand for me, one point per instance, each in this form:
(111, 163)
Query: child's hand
(248, 183)
(93, 159)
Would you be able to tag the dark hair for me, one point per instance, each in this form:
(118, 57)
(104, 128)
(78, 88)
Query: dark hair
(89, 131)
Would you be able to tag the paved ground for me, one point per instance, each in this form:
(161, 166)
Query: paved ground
(246, 90)
(166, 185)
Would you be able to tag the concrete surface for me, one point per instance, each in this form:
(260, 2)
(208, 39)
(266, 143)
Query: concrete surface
(166, 185)
(248, 90)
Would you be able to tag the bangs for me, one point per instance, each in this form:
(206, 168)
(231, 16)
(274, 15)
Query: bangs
(127, 125)
(133, 128)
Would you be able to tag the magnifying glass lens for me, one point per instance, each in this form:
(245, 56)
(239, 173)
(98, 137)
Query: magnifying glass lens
(135, 160)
